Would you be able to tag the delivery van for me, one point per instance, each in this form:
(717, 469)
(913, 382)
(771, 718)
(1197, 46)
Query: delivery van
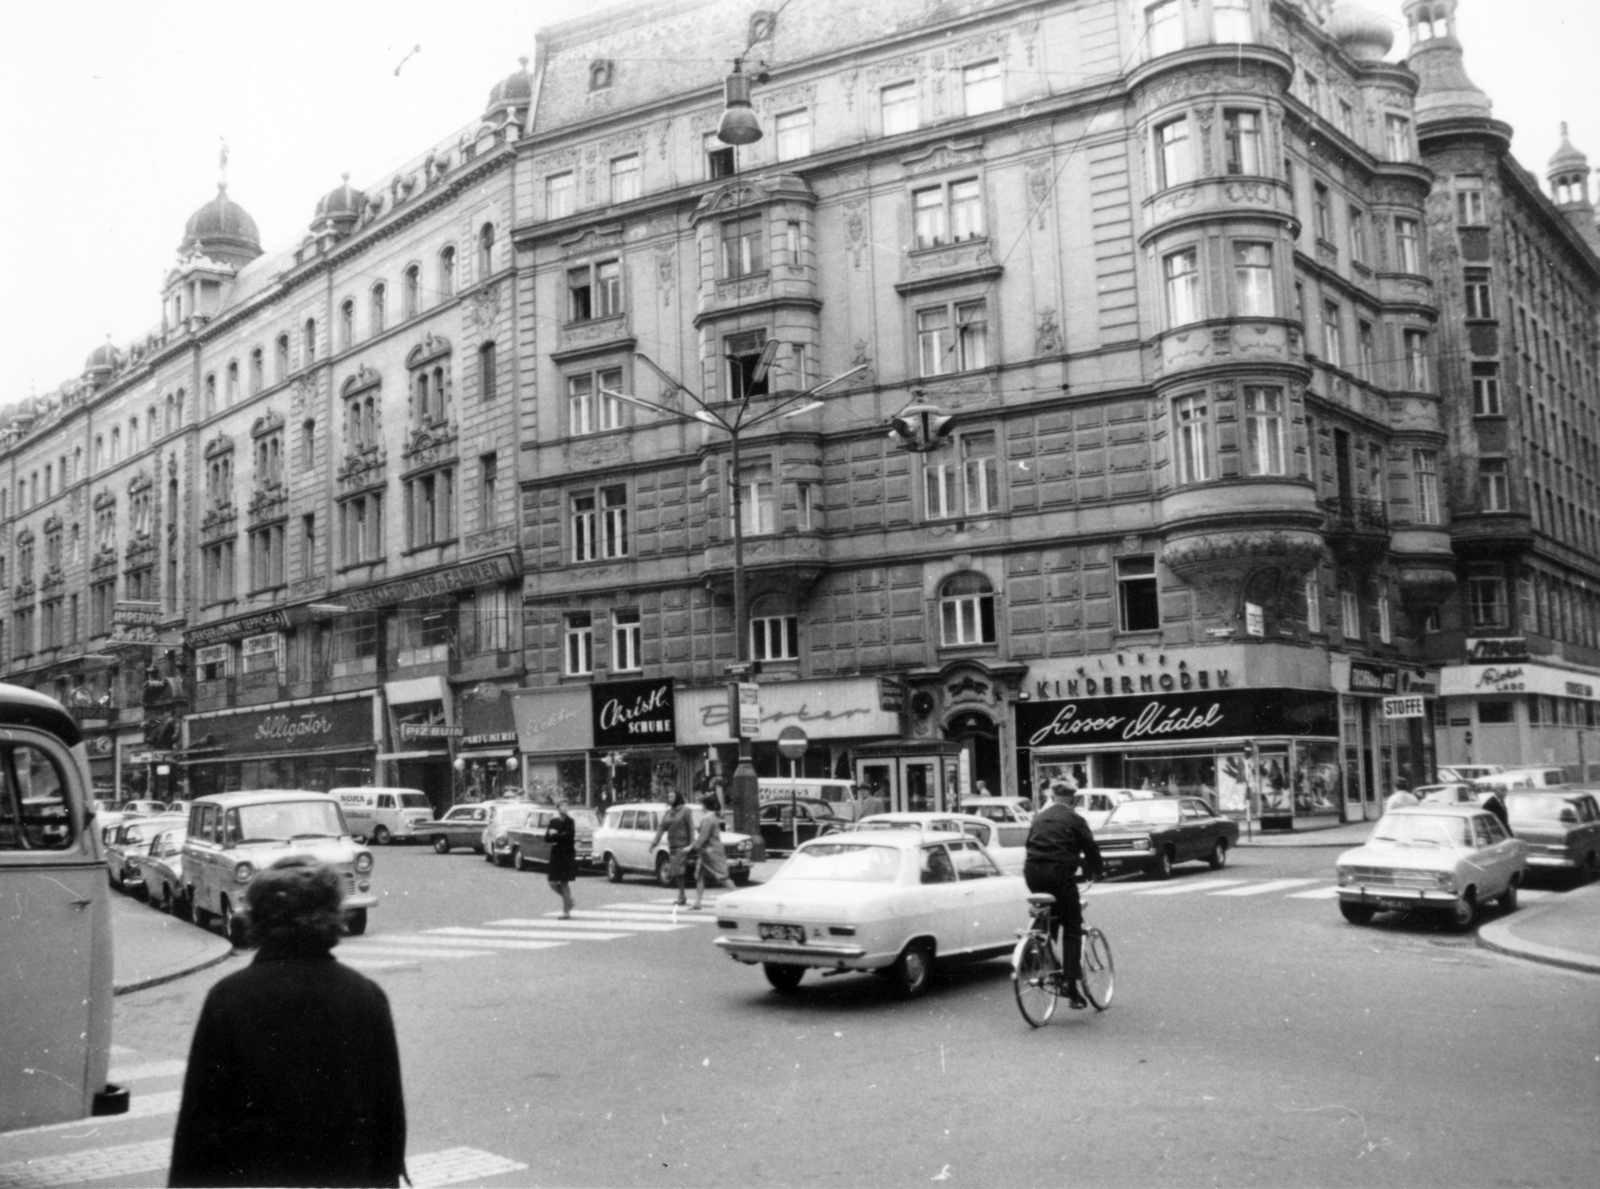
(839, 795)
(382, 815)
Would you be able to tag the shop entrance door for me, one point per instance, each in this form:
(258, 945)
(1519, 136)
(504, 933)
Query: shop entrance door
(431, 777)
(909, 784)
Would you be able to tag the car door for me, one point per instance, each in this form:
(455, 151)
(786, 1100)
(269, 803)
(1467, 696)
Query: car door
(993, 906)
(1194, 830)
(940, 908)
(639, 829)
(1490, 855)
(202, 856)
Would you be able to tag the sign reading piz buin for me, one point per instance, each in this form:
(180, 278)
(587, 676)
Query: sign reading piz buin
(1220, 714)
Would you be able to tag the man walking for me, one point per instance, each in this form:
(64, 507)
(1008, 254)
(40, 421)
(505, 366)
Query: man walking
(1058, 840)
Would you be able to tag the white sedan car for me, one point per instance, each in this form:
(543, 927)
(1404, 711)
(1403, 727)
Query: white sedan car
(890, 901)
(1006, 842)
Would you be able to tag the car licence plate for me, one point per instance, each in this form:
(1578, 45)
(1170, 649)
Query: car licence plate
(794, 933)
(1396, 904)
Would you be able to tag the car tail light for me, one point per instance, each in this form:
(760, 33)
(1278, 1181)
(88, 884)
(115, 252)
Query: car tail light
(243, 872)
(364, 862)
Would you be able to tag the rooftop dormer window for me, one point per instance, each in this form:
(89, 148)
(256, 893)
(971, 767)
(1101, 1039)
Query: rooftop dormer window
(601, 73)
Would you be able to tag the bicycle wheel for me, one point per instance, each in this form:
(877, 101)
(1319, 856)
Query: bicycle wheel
(1099, 972)
(1033, 976)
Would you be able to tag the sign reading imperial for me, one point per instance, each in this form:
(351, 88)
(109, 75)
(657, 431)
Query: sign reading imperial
(1170, 717)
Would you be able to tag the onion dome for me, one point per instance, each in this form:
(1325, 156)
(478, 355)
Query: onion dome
(1360, 32)
(1568, 159)
(339, 210)
(222, 230)
(511, 93)
(102, 360)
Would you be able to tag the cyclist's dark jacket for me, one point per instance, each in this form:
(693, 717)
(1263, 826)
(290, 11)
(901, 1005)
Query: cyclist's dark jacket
(1059, 837)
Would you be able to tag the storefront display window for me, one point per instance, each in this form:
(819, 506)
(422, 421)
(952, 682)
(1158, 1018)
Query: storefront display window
(1316, 778)
(1193, 775)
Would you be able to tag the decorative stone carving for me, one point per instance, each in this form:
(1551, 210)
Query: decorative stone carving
(953, 154)
(855, 225)
(1047, 340)
(485, 307)
(1425, 583)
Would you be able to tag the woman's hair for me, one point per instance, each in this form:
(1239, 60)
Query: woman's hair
(675, 800)
(709, 801)
(295, 901)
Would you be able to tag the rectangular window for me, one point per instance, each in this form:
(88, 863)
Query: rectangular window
(614, 522)
(1314, 604)
(1174, 159)
(488, 490)
(939, 351)
(1385, 632)
(808, 511)
(1163, 27)
(362, 529)
(749, 370)
(579, 644)
(1313, 91)
(1416, 350)
(968, 485)
(901, 108)
(585, 537)
(594, 291)
(1377, 476)
(1366, 348)
(308, 545)
(947, 214)
(1498, 712)
(217, 572)
(1252, 280)
(1408, 244)
(1322, 212)
(1358, 235)
(625, 636)
(1347, 119)
(430, 516)
(1486, 602)
(755, 499)
(742, 247)
(1397, 138)
(1469, 200)
(1425, 482)
(1332, 339)
(1182, 271)
(626, 178)
(1477, 296)
(1486, 390)
(266, 557)
(102, 601)
(1193, 438)
(719, 157)
(1263, 410)
(981, 88)
(1232, 19)
(1494, 491)
(484, 619)
(793, 135)
(775, 638)
(560, 195)
(1350, 614)
(1241, 133)
(1138, 597)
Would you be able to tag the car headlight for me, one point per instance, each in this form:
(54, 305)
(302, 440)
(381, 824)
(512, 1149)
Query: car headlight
(364, 862)
(243, 872)
(1345, 877)
(1141, 844)
(1446, 880)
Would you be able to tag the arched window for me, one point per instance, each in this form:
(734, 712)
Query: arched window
(116, 443)
(77, 462)
(486, 250)
(282, 352)
(966, 610)
(447, 272)
(208, 396)
(347, 324)
(49, 480)
(99, 460)
(377, 311)
(487, 377)
(308, 341)
(176, 421)
(258, 370)
(231, 396)
(172, 416)
(413, 291)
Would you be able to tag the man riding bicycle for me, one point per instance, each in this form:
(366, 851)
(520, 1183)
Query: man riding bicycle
(1058, 840)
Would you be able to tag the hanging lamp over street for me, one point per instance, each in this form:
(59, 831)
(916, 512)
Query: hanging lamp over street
(739, 124)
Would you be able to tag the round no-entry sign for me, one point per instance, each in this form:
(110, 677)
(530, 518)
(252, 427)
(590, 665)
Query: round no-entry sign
(792, 743)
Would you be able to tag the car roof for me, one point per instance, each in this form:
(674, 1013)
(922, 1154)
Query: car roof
(900, 839)
(256, 796)
(372, 788)
(27, 707)
(1435, 808)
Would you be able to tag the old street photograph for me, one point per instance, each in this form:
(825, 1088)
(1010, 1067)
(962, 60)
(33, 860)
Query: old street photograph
(763, 593)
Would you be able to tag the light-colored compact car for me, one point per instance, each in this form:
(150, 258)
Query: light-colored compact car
(161, 871)
(1453, 792)
(128, 846)
(1151, 834)
(1561, 828)
(1523, 778)
(622, 844)
(529, 849)
(504, 816)
(891, 901)
(461, 825)
(1011, 811)
(1441, 858)
(143, 808)
(232, 836)
(1006, 843)
(1467, 772)
(1095, 805)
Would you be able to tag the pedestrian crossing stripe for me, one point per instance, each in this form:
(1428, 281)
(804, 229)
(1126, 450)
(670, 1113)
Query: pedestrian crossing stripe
(408, 951)
(1272, 885)
(1327, 893)
(540, 934)
(152, 1069)
(471, 943)
(140, 1106)
(611, 920)
(1209, 885)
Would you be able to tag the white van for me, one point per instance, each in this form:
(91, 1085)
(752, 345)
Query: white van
(381, 815)
(838, 794)
(1523, 778)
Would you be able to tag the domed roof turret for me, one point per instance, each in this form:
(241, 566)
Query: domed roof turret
(1360, 32)
(222, 230)
(345, 201)
(102, 359)
(1568, 159)
(511, 92)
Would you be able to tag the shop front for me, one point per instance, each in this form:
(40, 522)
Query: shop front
(599, 744)
(421, 731)
(486, 763)
(1386, 732)
(1509, 709)
(315, 743)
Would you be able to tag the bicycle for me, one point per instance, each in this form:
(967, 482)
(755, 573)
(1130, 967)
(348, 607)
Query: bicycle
(1036, 973)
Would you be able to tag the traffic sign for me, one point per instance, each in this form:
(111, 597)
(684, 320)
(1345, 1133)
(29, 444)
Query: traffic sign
(792, 743)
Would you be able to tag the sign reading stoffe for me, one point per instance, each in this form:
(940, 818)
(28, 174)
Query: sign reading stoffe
(1166, 718)
(1402, 708)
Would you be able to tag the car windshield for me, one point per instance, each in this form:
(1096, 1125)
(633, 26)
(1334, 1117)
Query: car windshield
(879, 823)
(1422, 829)
(414, 801)
(280, 821)
(1143, 813)
(1522, 807)
(845, 861)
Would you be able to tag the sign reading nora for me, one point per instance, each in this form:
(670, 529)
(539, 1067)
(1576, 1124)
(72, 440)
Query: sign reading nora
(1218, 714)
(633, 713)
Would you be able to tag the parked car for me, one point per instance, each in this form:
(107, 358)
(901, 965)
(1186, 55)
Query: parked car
(1006, 843)
(161, 872)
(839, 794)
(128, 846)
(1467, 772)
(1440, 858)
(1152, 834)
(1450, 793)
(234, 835)
(786, 824)
(622, 844)
(528, 847)
(1561, 828)
(382, 815)
(890, 901)
(503, 817)
(1523, 778)
(143, 808)
(1095, 805)
(461, 826)
(1011, 811)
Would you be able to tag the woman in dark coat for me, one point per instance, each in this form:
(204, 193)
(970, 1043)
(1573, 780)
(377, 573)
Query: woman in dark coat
(562, 835)
(294, 1073)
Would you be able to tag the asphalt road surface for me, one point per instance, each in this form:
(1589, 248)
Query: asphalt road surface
(1255, 1039)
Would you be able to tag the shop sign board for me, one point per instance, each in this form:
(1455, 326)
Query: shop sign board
(1368, 678)
(487, 571)
(1255, 620)
(749, 695)
(1477, 680)
(825, 708)
(550, 721)
(484, 711)
(236, 629)
(297, 727)
(1488, 650)
(1403, 708)
(138, 612)
(1179, 717)
(633, 713)
(891, 695)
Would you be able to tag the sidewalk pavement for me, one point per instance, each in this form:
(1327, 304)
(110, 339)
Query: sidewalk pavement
(149, 948)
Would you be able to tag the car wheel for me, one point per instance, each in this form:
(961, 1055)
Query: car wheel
(137, 890)
(1591, 867)
(613, 869)
(232, 926)
(914, 970)
(1163, 867)
(1508, 898)
(664, 871)
(519, 860)
(167, 904)
(1356, 913)
(784, 978)
(381, 836)
(355, 923)
(478, 849)
(182, 905)
(741, 879)
(441, 844)
(1219, 855)
(1465, 910)
(198, 913)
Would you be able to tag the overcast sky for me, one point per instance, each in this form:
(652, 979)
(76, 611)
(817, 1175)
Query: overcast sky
(115, 112)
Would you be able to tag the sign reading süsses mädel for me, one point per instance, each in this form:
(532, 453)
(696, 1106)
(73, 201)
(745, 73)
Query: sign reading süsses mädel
(1215, 714)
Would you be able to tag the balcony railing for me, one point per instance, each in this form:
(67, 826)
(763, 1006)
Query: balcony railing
(1349, 514)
